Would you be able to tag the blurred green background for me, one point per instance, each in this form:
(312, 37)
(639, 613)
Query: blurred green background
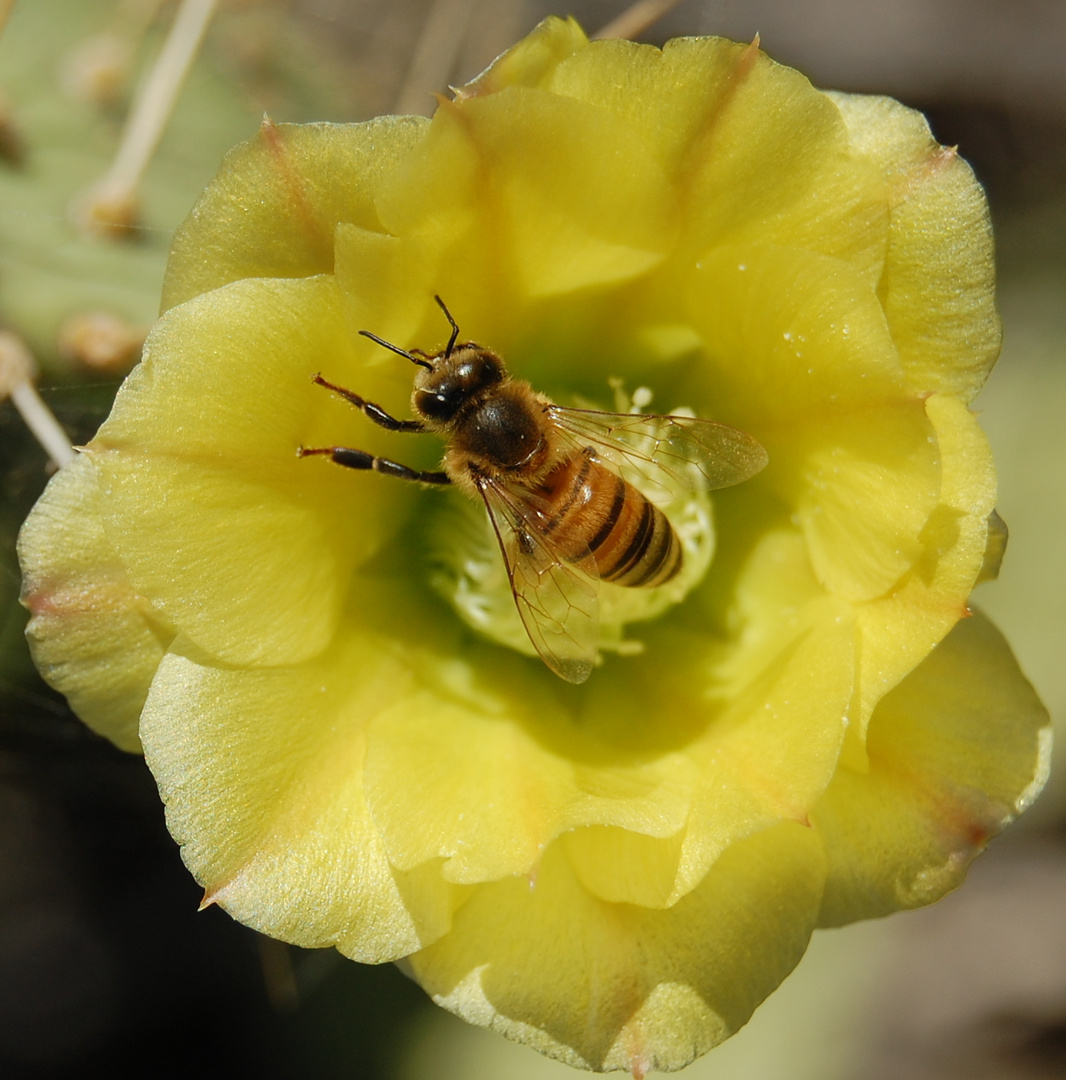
(104, 963)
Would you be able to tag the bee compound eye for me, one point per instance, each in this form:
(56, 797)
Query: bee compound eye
(479, 372)
(439, 404)
(488, 370)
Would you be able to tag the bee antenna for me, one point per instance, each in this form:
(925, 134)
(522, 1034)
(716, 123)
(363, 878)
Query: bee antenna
(454, 325)
(396, 349)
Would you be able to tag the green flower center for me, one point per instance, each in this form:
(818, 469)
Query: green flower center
(466, 567)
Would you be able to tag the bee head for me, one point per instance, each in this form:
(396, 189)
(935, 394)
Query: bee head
(456, 378)
(451, 379)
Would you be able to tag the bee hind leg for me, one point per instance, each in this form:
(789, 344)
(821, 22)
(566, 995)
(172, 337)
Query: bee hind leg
(360, 459)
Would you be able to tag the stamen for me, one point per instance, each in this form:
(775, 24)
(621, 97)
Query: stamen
(112, 206)
(636, 19)
(16, 379)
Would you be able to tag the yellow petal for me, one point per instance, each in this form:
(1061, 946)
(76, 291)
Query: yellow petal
(790, 338)
(564, 195)
(956, 751)
(93, 638)
(759, 721)
(532, 60)
(272, 209)
(939, 283)
(385, 284)
(899, 629)
(486, 776)
(868, 486)
(785, 692)
(262, 774)
(245, 547)
(771, 161)
(612, 986)
(756, 153)
(625, 867)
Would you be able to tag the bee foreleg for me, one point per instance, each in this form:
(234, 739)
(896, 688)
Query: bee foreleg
(360, 459)
(370, 410)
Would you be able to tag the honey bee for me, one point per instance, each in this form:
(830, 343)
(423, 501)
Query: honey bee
(554, 483)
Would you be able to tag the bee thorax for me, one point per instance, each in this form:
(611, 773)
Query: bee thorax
(502, 431)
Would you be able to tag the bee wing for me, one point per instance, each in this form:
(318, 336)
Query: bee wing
(682, 452)
(557, 602)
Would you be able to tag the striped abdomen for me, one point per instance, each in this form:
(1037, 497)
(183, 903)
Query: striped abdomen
(590, 505)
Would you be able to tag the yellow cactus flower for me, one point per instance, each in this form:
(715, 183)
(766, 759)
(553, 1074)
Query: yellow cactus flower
(355, 747)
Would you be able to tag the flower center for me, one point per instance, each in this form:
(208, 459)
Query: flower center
(466, 566)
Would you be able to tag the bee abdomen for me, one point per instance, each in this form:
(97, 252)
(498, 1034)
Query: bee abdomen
(599, 517)
(634, 545)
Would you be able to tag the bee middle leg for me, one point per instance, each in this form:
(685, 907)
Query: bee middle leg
(360, 459)
(370, 410)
